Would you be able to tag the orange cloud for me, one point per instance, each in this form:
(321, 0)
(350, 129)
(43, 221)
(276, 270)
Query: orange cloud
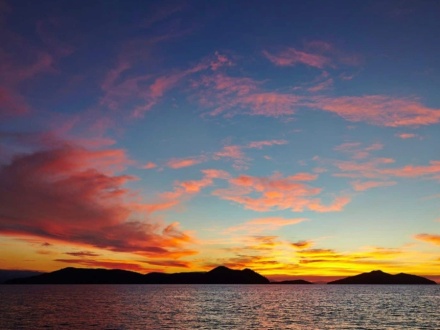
(291, 57)
(67, 193)
(379, 110)
(429, 238)
(277, 193)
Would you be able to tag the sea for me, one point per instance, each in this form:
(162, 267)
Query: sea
(220, 307)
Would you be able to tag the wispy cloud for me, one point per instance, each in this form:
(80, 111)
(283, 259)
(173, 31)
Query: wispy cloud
(177, 163)
(406, 135)
(277, 193)
(429, 238)
(379, 110)
(292, 56)
(231, 96)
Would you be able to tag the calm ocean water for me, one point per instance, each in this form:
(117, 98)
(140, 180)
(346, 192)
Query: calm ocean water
(219, 307)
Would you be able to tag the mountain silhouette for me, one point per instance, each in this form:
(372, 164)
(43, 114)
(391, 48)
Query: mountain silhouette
(380, 277)
(71, 275)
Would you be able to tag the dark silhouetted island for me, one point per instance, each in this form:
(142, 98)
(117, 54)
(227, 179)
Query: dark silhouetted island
(379, 277)
(292, 282)
(70, 275)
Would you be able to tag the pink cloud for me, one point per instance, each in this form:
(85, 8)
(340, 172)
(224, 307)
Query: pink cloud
(141, 92)
(276, 193)
(149, 166)
(177, 163)
(365, 185)
(68, 193)
(324, 85)
(410, 171)
(291, 57)
(231, 96)
(265, 143)
(374, 168)
(231, 151)
(379, 110)
(406, 135)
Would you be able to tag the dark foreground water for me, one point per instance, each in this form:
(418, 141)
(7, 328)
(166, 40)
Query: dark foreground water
(219, 307)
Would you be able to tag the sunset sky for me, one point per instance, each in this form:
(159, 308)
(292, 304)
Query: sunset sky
(296, 138)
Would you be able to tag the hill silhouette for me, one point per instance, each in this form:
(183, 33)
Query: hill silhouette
(71, 275)
(380, 277)
(8, 274)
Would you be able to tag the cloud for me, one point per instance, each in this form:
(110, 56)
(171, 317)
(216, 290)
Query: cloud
(406, 135)
(379, 110)
(302, 244)
(177, 163)
(68, 193)
(265, 143)
(82, 254)
(292, 57)
(429, 238)
(124, 87)
(365, 185)
(373, 172)
(184, 189)
(264, 224)
(277, 193)
(149, 166)
(231, 96)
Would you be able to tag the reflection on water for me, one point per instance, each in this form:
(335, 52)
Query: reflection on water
(218, 307)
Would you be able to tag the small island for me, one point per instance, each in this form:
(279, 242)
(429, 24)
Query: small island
(380, 277)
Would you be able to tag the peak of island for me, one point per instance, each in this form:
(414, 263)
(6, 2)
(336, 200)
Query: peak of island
(380, 277)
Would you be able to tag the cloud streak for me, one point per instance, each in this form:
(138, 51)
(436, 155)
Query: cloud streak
(278, 193)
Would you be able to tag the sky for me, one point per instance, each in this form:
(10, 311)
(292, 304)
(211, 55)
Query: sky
(297, 138)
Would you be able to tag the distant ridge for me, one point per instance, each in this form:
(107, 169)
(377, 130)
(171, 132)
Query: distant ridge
(380, 277)
(8, 274)
(71, 275)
